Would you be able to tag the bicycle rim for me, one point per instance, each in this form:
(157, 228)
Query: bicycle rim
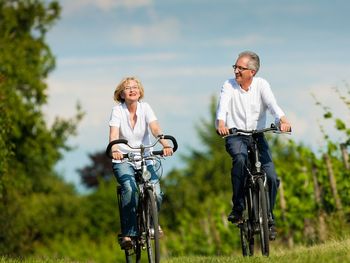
(263, 219)
(152, 227)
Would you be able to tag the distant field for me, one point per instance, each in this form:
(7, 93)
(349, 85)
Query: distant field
(330, 252)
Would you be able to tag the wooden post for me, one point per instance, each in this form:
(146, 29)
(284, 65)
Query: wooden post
(322, 229)
(282, 201)
(333, 182)
(345, 155)
(283, 205)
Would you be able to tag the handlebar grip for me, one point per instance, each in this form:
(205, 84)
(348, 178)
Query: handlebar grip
(109, 147)
(160, 152)
(167, 137)
(171, 138)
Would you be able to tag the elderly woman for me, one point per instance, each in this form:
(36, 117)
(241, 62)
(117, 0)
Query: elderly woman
(133, 120)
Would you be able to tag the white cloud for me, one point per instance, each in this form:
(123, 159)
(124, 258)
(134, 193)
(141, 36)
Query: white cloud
(247, 40)
(103, 60)
(105, 5)
(158, 32)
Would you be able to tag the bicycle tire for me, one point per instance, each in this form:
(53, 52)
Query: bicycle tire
(246, 234)
(247, 241)
(263, 219)
(152, 228)
(128, 256)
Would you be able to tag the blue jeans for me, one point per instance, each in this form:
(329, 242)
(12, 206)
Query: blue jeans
(237, 147)
(125, 175)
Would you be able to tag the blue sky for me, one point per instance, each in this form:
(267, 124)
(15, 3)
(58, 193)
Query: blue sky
(182, 50)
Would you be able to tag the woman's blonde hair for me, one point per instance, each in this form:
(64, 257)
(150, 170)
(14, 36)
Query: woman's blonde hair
(121, 86)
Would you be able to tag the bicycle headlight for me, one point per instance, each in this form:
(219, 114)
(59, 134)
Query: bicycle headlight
(146, 175)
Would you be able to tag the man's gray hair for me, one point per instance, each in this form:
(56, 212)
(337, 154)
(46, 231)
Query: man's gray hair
(254, 60)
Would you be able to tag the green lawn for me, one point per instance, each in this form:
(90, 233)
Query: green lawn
(330, 252)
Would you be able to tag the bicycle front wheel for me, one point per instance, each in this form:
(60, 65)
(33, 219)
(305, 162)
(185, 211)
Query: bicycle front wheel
(152, 228)
(247, 241)
(263, 219)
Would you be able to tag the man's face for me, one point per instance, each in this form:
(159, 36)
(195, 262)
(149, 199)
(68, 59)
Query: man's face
(242, 73)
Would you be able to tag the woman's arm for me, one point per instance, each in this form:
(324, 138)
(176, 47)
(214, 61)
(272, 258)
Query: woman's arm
(114, 135)
(156, 130)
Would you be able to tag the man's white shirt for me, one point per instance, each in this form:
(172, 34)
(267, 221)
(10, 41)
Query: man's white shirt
(247, 109)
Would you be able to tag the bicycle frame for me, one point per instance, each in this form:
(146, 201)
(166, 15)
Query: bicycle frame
(256, 197)
(257, 211)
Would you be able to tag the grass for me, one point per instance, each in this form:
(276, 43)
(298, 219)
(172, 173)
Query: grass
(330, 252)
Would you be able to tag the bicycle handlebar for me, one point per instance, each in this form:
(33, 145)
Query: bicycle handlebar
(125, 155)
(273, 127)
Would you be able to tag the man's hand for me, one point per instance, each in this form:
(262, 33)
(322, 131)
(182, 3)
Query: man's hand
(221, 128)
(285, 125)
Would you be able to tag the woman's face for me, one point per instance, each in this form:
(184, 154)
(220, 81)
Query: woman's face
(131, 91)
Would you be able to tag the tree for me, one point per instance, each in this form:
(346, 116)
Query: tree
(100, 169)
(29, 148)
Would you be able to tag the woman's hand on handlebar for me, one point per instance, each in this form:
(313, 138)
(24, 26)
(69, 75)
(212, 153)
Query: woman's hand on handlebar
(167, 151)
(117, 155)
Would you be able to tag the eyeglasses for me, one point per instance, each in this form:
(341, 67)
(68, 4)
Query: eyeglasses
(239, 68)
(129, 88)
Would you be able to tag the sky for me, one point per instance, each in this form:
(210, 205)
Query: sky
(183, 51)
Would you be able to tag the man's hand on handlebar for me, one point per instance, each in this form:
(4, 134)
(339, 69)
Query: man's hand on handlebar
(221, 128)
(284, 125)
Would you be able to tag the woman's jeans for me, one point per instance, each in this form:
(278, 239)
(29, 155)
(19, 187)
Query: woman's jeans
(125, 175)
(237, 147)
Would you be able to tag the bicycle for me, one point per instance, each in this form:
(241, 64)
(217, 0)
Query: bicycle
(147, 212)
(256, 215)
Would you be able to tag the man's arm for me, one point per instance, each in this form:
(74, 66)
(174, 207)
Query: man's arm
(221, 111)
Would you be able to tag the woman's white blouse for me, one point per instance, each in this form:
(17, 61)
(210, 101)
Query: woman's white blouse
(140, 134)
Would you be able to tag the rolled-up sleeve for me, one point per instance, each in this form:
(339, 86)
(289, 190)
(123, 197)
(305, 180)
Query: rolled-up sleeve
(150, 115)
(114, 120)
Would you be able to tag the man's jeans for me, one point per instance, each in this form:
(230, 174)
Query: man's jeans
(237, 147)
(125, 175)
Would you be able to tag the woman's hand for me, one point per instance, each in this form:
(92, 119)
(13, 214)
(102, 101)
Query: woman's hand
(167, 151)
(117, 155)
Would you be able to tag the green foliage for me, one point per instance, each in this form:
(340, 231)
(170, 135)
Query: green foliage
(44, 216)
(31, 194)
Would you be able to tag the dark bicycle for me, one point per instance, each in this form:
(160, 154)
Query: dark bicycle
(257, 215)
(147, 212)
